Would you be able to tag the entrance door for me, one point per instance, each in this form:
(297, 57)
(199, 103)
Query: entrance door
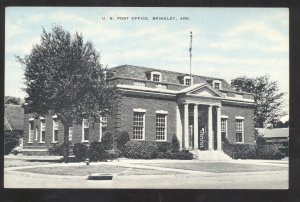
(203, 139)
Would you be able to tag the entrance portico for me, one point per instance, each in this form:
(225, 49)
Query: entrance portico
(199, 119)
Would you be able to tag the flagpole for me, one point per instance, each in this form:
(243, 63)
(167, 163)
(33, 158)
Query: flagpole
(191, 55)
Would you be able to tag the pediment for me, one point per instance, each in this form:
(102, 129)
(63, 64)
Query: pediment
(205, 91)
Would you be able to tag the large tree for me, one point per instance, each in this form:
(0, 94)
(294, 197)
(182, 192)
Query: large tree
(270, 101)
(64, 77)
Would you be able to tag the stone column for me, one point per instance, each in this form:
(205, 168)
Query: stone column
(196, 127)
(179, 126)
(186, 125)
(210, 128)
(219, 136)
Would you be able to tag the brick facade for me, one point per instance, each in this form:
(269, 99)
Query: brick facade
(150, 98)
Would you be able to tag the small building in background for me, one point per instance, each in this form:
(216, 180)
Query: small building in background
(276, 136)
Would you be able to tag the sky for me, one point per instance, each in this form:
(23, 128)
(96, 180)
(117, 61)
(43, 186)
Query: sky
(227, 42)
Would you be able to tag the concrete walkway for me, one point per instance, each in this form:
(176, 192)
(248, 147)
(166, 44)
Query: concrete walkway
(186, 179)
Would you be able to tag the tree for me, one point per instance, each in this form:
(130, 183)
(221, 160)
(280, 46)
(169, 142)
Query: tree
(12, 100)
(266, 95)
(64, 77)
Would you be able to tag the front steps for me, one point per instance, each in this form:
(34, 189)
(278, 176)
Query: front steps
(213, 155)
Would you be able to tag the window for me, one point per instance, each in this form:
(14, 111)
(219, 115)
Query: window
(31, 131)
(85, 130)
(239, 130)
(138, 125)
(188, 80)
(42, 133)
(55, 130)
(156, 76)
(161, 127)
(103, 126)
(224, 128)
(70, 133)
(217, 84)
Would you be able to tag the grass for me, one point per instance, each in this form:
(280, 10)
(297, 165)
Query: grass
(86, 170)
(220, 167)
(23, 162)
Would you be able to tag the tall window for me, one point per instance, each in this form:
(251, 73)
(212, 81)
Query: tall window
(239, 130)
(42, 134)
(31, 131)
(86, 128)
(138, 125)
(224, 128)
(70, 133)
(103, 126)
(55, 130)
(161, 127)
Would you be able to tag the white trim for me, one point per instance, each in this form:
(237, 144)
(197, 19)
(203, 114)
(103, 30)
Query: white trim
(54, 141)
(188, 77)
(144, 124)
(157, 73)
(219, 82)
(54, 116)
(139, 110)
(30, 134)
(239, 117)
(224, 117)
(31, 119)
(42, 117)
(166, 125)
(161, 112)
(82, 131)
(41, 131)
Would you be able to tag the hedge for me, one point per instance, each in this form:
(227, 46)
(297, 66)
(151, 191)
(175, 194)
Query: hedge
(249, 151)
(59, 149)
(96, 152)
(80, 151)
(183, 155)
(121, 139)
(141, 149)
(11, 140)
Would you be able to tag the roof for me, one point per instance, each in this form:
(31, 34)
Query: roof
(274, 132)
(13, 117)
(138, 72)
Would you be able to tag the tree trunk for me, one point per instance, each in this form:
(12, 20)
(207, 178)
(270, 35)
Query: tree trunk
(66, 141)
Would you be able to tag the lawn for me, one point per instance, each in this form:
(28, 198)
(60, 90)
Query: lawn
(86, 170)
(23, 162)
(220, 167)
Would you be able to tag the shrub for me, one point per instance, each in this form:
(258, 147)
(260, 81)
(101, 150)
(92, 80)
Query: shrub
(244, 151)
(163, 146)
(59, 149)
(107, 140)
(140, 150)
(96, 152)
(175, 144)
(122, 139)
(183, 155)
(11, 140)
(80, 151)
(269, 152)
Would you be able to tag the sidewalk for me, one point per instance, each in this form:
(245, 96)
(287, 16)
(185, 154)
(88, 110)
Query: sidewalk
(186, 179)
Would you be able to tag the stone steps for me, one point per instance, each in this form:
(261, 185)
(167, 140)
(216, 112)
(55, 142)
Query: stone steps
(213, 155)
